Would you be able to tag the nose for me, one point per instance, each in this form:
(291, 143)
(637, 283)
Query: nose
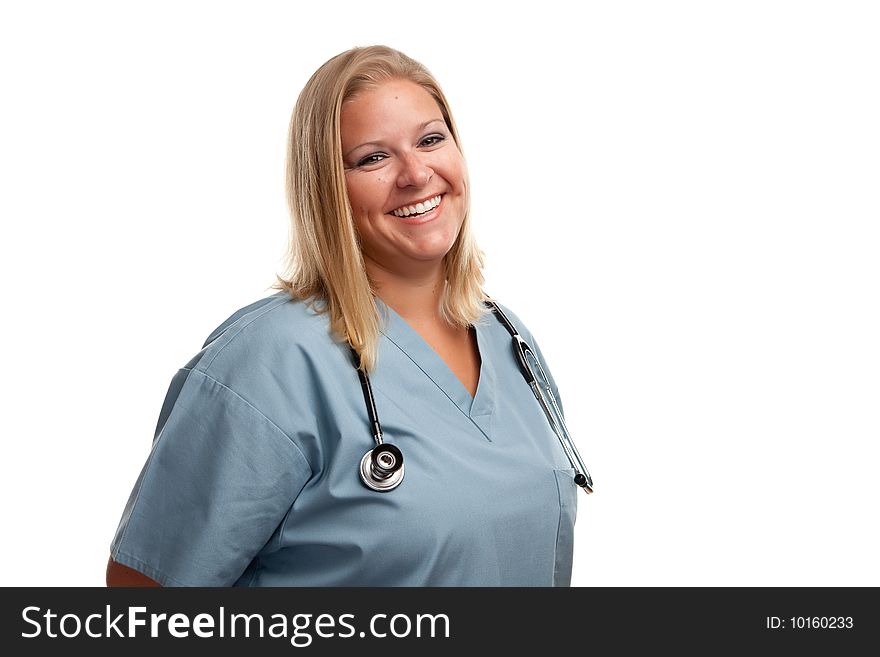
(413, 171)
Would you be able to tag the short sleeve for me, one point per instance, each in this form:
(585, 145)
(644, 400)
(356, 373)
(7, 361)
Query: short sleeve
(219, 481)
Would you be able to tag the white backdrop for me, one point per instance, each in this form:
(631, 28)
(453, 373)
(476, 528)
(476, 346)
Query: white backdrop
(680, 199)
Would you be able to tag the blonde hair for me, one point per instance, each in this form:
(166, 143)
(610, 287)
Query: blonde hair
(325, 266)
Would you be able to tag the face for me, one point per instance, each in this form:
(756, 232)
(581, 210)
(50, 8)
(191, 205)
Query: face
(406, 178)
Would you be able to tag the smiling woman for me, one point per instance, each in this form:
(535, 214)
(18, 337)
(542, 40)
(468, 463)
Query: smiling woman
(407, 185)
(253, 478)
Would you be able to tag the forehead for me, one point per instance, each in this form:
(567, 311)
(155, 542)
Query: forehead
(393, 105)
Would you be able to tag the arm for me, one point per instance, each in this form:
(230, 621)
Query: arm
(204, 458)
(119, 575)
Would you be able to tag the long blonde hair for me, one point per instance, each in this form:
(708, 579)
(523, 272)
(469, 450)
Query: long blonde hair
(324, 263)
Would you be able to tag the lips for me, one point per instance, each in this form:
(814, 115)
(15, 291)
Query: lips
(416, 208)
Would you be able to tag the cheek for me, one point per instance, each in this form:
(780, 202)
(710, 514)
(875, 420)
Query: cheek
(455, 171)
(361, 199)
(368, 195)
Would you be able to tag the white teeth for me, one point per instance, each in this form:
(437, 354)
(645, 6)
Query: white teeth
(418, 208)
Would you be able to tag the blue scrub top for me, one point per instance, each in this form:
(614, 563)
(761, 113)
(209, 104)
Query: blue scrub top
(253, 478)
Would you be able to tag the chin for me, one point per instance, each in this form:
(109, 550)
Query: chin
(432, 252)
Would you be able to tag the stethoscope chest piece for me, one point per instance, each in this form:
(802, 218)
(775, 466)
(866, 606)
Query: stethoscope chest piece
(382, 468)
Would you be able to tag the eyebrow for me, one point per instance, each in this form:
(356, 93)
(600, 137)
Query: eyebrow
(376, 143)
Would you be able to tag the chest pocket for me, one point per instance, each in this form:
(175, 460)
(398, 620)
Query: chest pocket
(565, 532)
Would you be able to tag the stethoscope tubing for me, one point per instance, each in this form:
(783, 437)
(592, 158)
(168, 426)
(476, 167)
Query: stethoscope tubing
(554, 415)
(368, 398)
(382, 468)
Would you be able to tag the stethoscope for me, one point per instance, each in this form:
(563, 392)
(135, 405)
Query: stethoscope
(382, 467)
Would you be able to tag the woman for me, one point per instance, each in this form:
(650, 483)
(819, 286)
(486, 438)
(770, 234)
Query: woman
(258, 474)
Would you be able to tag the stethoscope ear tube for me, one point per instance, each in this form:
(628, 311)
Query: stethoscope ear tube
(528, 361)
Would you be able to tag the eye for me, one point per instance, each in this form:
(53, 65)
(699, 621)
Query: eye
(375, 158)
(433, 140)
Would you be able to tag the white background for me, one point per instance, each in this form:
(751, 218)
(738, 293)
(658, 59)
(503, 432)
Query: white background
(680, 199)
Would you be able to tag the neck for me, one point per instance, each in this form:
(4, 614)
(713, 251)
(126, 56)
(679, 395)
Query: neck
(413, 295)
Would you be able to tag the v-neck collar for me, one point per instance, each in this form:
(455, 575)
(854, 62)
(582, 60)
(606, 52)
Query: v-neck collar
(480, 407)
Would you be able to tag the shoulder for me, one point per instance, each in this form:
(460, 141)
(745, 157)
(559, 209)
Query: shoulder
(249, 314)
(514, 318)
(262, 331)
(527, 335)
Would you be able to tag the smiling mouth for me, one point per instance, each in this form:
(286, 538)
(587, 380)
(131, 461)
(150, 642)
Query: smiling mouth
(417, 210)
